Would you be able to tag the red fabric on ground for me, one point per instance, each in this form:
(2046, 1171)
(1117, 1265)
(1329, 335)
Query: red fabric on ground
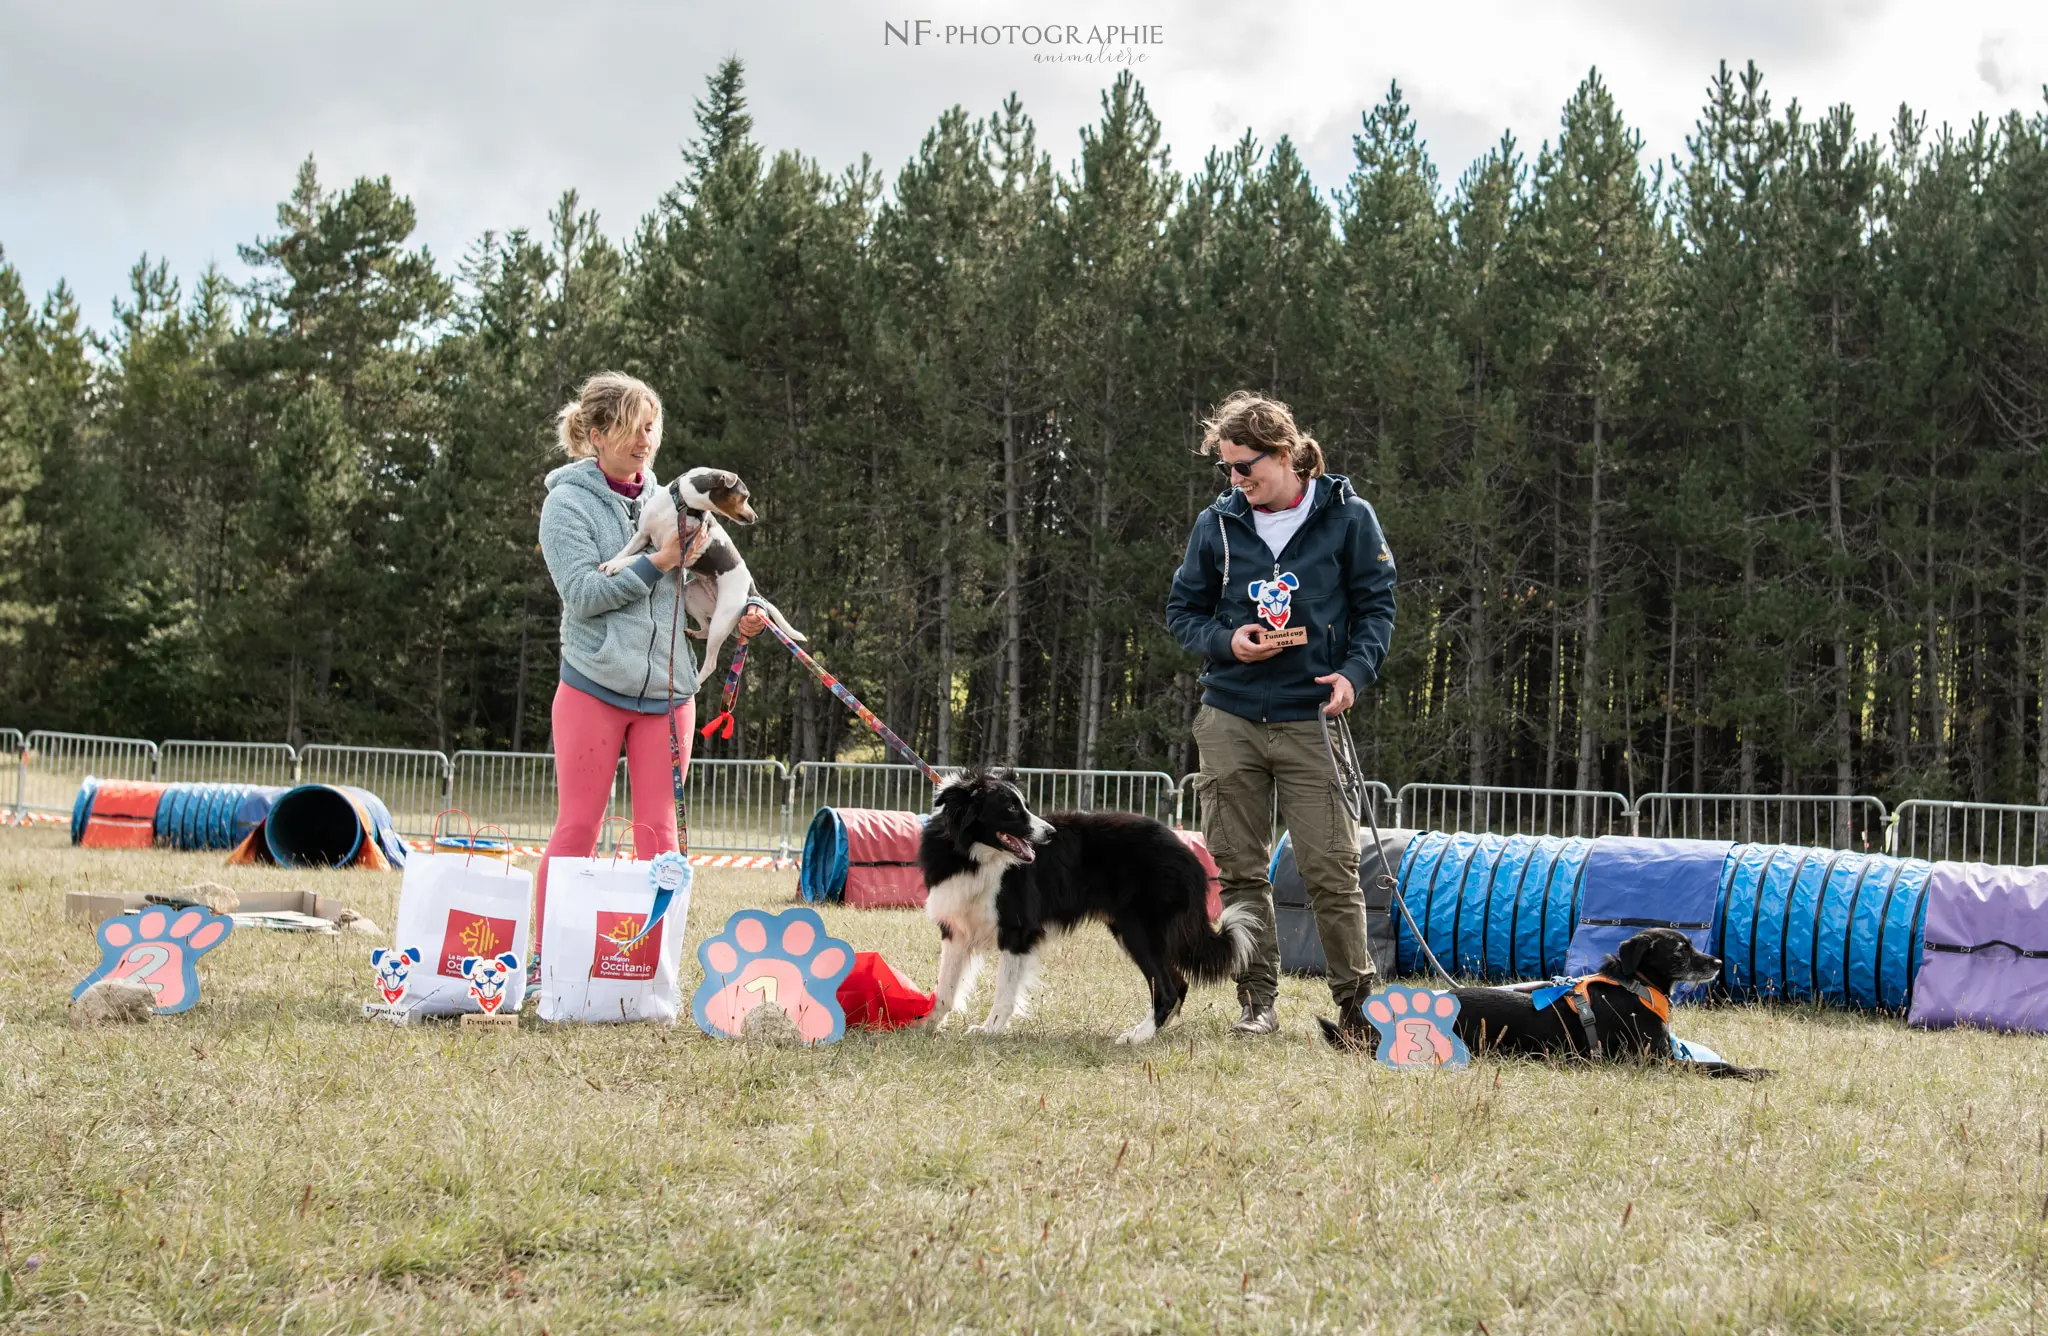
(876, 997)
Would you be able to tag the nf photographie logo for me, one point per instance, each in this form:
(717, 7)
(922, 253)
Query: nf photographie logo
(1048, 43)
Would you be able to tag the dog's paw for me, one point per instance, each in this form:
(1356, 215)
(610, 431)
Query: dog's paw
(988, 1027)
(160, 949)
(783, 960)
(1141, 1033)
(1415, 1028)
(612, 567)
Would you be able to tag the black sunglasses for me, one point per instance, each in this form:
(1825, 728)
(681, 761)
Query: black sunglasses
(1241, 467)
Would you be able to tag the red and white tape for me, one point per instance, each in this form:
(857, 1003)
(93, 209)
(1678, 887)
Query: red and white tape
(696, 860)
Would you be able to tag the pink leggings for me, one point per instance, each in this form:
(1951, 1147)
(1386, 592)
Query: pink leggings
(588, 737)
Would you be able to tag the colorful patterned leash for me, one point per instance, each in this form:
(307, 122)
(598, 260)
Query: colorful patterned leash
(832, 684)
(671, 872)
(721, 725)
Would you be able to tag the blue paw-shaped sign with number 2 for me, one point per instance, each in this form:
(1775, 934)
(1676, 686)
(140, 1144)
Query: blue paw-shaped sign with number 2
(1415, 1028)
(160, 949)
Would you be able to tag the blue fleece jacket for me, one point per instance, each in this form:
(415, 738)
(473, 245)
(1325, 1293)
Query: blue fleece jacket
(1335, 578)
(615, 628)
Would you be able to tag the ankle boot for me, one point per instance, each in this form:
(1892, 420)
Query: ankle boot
(1351, 1032)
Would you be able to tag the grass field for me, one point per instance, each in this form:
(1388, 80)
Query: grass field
(269, 1162)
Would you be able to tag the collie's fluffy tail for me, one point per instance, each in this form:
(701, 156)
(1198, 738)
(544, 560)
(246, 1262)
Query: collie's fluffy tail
(1210, 955)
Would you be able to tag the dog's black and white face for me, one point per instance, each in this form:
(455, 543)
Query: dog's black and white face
(984, 810)
(1662, 957)
(717, 489)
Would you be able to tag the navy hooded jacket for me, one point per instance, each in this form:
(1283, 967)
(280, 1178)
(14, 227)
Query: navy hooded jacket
(1342, 591)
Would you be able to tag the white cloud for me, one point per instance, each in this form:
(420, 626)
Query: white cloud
(177, 129)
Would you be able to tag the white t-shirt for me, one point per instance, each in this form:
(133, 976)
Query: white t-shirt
(1276, 527)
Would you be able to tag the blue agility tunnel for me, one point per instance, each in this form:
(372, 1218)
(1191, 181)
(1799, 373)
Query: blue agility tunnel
(1634, 884)
(1823, 925)
(1498, 908)
(211, 816)
(324, 825)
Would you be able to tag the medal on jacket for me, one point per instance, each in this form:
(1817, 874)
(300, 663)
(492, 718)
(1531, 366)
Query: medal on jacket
(1274, 600)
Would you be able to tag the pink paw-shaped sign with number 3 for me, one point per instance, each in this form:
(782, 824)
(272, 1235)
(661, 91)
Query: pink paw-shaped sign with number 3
(1415, 1028)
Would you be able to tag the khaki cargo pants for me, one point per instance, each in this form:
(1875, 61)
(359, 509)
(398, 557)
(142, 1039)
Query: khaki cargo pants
(1243, 763)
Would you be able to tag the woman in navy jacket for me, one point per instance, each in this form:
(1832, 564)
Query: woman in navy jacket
(1289, 548)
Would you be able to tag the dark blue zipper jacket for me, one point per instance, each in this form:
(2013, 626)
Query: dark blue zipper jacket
(1342, 592)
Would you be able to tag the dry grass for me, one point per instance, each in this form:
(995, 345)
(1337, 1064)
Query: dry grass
(270, 1162)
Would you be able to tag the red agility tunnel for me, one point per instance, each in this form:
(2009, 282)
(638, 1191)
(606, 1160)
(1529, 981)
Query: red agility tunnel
(863, 858)
(116, 814)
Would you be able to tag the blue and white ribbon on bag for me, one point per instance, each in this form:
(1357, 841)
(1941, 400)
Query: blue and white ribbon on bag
(670, 874)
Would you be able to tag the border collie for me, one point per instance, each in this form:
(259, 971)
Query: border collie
(1508, 1021)
(725, 587)
(998, 876)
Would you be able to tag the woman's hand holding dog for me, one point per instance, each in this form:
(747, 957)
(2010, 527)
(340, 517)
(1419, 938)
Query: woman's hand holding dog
(671, 554)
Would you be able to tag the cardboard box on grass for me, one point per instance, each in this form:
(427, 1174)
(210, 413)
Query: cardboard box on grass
(96, 907)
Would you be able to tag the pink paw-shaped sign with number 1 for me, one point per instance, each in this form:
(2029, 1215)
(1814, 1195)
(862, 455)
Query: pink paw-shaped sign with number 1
(1415, 1028)
(785, 960)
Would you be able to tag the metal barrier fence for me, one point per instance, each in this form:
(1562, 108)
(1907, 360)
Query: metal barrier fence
(1969, 832)
(736, 807)
(1484, 810)
(514, 791)
(884, 788)
(1828, 821)
(184, 762)
(1187, 812)
(412, 784)
(1148, 792)
(11, 743)
(54, 764)
(753, 807)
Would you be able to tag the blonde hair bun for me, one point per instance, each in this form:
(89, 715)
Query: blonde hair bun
(604, 404)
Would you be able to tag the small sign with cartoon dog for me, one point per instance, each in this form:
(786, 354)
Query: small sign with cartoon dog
(1274, 599)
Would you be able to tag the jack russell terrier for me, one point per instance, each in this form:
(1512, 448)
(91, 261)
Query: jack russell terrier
(724, 587)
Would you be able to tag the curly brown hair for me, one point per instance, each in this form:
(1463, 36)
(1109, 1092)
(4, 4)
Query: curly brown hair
(607, 403)
(1258, 423)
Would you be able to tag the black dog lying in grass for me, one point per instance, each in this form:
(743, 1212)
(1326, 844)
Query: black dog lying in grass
(1621, 1013)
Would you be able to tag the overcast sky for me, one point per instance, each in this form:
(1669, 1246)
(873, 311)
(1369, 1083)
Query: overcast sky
(175, 128)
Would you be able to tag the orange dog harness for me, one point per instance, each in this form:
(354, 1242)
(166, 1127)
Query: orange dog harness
(1582, 1003)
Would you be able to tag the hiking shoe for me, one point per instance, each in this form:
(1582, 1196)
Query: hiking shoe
(1259, 1018)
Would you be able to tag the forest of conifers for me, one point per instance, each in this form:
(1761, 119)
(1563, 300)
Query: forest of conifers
(1723, 474)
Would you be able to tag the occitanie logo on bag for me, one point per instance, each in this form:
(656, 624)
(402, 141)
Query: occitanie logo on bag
(613, 932)
(472, 935)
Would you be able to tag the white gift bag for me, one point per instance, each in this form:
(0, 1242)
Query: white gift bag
(457, 905)
(595, 907)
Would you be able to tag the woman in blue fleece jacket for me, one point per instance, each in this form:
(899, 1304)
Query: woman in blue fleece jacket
(618, 693)
(1289, 547)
